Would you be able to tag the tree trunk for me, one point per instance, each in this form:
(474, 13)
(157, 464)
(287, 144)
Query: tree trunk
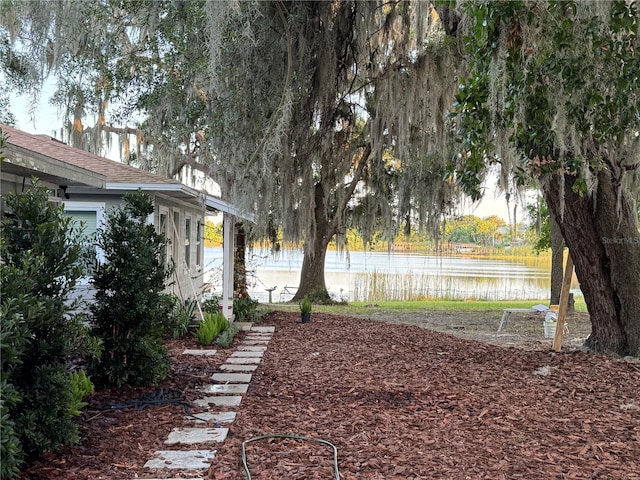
(240, 260)
(601, 231)
(557, 269)
(312, 280)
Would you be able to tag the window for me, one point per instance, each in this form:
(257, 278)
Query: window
(199, 251)
(175, 238)
(88, 216)
(187, 241)
(162, 230)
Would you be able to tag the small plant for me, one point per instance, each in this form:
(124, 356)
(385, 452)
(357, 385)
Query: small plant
(181, 317)
(226, 338)
(212, 325)
(245, 308)
(305, 305)
(80, 386)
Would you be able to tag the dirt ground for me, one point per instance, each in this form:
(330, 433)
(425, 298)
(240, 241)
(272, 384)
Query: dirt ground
(456, 400)
(523, 330)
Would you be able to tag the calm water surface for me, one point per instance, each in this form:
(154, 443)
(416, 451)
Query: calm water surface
(375, 276)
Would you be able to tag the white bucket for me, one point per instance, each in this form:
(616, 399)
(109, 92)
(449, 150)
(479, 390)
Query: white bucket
(549, 329)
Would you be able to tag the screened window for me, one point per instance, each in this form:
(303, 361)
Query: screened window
(162, 230)
(187, 242)
(199, 243)
(87, 217)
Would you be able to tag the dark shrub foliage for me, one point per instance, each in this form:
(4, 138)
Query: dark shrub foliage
(130, 311)
(40, 249)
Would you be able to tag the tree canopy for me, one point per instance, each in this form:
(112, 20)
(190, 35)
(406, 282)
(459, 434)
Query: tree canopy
(551, 94)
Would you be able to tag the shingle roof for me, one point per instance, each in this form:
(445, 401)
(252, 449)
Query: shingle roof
(114, 172)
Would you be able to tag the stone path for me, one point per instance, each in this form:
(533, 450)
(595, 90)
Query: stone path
(202, 430)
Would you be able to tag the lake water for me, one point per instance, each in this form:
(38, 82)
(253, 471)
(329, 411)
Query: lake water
(375, 276)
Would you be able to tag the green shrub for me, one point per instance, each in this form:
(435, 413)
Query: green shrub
(212, 325)
(40, 263)
(245, 309)
(130, 309)
(210, 305)
(226, 338)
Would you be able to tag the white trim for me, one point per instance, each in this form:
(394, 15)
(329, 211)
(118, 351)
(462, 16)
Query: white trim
(158, 187)
(187, 241)
(226, 207)
(199, 243)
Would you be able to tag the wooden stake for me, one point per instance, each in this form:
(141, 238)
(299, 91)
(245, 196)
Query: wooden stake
(564, 303)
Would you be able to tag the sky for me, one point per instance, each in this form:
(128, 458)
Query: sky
(46, 122)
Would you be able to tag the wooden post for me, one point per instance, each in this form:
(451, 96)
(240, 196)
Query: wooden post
(564, 303)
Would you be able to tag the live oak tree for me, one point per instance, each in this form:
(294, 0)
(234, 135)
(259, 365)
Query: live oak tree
(552, 93)
(308, 113)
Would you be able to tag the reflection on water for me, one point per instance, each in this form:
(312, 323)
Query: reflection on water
(374, 276)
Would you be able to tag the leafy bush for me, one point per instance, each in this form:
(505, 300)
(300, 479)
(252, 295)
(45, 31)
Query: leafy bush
(212, 325)
(245, 308)
(226, 338)
(40, 251)
(210, 305)
(130, 311)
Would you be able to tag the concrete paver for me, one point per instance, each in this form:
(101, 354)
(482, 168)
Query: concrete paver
(184, 460)
(222, 401)
(190, 436)
(205, 353)
(212, 418)
(265, 328)
(250, 348)
(244, 326)
(238, 367)
(226, 388)
(247, 354)
(231, 377)
(244, 360)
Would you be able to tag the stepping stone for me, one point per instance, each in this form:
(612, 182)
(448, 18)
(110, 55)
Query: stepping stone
(215, 418)
(253, 343)
(223, 401)
(238, 368)
(244, 360)
(247, 354)
(206, 353)
(226, 388)
(244, 326)
(243, 348)
(182, 459)
(191, 436)
(190, 478)
(269, 329)
(232, 377)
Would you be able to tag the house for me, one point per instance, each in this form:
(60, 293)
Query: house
(88, 185)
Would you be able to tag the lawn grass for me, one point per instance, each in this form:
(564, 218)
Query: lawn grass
(359, 308)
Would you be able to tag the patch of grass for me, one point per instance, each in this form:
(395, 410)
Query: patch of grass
(360, 308)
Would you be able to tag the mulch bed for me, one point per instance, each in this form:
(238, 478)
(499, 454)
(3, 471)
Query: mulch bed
(397, 401)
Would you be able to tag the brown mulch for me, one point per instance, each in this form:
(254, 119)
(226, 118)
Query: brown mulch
(397, 401)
